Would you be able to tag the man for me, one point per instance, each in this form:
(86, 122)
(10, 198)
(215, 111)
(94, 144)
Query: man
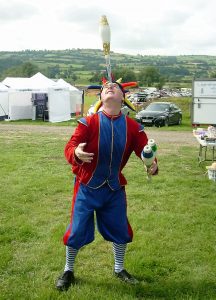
(98, 151)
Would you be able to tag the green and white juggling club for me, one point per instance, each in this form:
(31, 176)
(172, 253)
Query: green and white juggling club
(147, 156)
(152, 144)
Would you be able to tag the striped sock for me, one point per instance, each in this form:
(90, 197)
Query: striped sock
(119, 253)
(70, 258)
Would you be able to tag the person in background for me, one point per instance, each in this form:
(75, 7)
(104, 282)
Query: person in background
(98, 151)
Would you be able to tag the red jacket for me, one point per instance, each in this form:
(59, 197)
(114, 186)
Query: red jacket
(112, 139)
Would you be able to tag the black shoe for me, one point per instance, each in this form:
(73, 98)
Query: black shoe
(126, 277)
(65, 280)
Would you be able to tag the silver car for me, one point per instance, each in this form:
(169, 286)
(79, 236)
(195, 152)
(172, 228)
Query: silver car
(160, 114)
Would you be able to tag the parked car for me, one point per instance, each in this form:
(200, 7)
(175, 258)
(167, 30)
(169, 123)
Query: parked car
(137, 98)
(160, 114)
(125, 110)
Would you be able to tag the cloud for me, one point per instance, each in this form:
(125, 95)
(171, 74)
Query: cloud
(145, 27)
(179, 28)
(13, 11)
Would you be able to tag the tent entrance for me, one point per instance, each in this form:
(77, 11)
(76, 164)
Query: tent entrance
(40, 102)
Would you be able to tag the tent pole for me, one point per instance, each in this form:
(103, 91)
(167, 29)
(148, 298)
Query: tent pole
(82, 105)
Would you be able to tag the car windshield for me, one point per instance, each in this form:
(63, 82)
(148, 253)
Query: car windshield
(157, 107)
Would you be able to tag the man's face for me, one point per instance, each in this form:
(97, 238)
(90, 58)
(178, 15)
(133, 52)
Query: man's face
(111, 91)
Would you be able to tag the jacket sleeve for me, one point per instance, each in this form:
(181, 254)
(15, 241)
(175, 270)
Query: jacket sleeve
(140, 141)
(79, 136)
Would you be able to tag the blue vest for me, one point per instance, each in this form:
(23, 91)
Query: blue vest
(112, 143)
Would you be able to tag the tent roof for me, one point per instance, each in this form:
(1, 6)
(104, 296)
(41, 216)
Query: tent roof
(63, 83)
(3, 87)
(36, 82)
(40, 78)
(16, 82)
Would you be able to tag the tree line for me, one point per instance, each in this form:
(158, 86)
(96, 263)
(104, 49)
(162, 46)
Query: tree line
(71, 64)
(148, 76)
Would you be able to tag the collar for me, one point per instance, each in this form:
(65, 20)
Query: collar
(112, 116)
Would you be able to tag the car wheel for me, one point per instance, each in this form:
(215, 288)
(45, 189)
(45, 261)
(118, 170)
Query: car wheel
(180, 121)
(166, 122)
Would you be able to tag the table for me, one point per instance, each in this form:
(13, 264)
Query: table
(207, 149)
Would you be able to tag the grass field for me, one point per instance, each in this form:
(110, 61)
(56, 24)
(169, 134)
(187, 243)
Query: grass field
(173, 217)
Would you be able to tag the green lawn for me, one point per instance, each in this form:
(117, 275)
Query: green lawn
(173, 217)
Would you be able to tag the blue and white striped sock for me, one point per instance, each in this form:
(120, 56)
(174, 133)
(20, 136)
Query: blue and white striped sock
(119, 254)
(70, 258)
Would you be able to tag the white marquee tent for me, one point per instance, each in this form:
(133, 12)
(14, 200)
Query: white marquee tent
(75, 96)
(60, 96)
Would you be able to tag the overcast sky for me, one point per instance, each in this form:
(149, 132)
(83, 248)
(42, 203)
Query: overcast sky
(163, 27)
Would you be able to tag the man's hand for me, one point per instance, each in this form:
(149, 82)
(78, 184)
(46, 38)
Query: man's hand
(82, 155)
(152, 169)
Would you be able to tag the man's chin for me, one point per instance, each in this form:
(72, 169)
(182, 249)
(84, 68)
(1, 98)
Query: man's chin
(112, 101)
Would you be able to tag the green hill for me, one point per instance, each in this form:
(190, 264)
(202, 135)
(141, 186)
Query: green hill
(79, 65)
